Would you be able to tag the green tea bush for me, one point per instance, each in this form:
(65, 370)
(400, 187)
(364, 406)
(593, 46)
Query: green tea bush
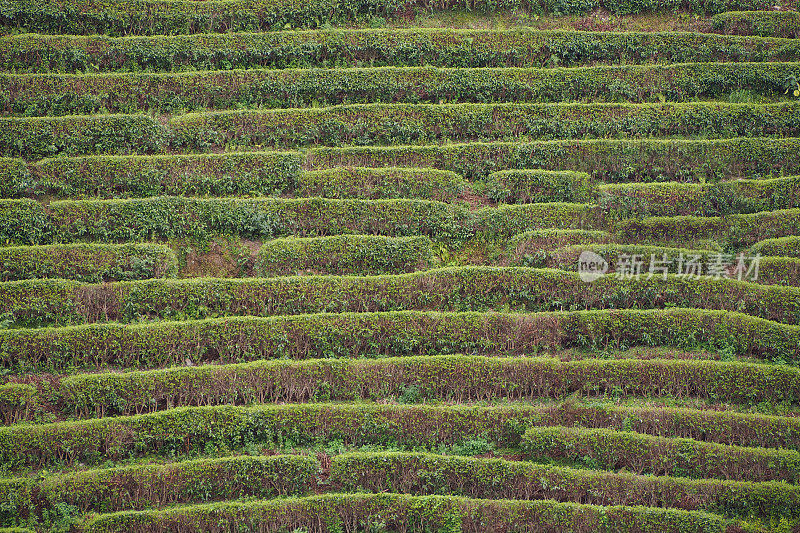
(439, 47)
(539, 186)
(422, 473)
(227, 340)
(344, 254)
(256, 173)
(35, 138)
(605, 159)
(389, 124)
(451, 378)
(88, 262)
(662, 456)
(381, 183)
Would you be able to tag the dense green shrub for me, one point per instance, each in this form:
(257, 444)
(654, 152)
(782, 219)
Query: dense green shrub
(424, 473)
(781, 247)
(763, 23)
(147, 17)
(471, 288)
(142, 486)
(35, 138)
(534, 186)
(452, 378)
(630, 260)
(234, 339)
(381, 183)
(413, 514)
(257, 173)
(531, 247)
(606, 159)
(675, 199)
(206, 429)
(642, 453)
(388, 124)
(17, 402)
(344, 254)
(779, 271)
(29, 222)
(63, 94)
(441, 47)
(88, 262)
(16, 177)
(735, 230)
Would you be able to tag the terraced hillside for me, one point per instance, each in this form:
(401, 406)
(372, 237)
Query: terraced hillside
(339, 266)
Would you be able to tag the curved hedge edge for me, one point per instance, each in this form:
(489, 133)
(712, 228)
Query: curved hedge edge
(693, 199)
(428, 513)
(225, 340)
(780, 247)
(424, 473)
(456, 378)
(648, 454)
(193, 481)
(89, 263)
(344, 254)
(736, 230)
(30, 222)
(202, 429)
(33, 303)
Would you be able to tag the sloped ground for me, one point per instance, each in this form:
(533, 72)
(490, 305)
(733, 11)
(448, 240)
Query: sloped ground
(357, 266)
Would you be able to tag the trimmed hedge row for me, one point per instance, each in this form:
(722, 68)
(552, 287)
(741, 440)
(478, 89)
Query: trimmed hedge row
(398, 512)
(534, 186)
(454, 378)
(225, 174)
(642, 454)
(439, 47)
(764, 23)
(30, 222)
(389, 124)
(781, 247)
(116, 17)
(779, 271)
(238, 339)
(35, 138)
(88, 262)
(680, 199)
(60, 94)
(257, 173)
(189, 430)
(735, 230)
(607, 160)
(630, 260)
(425, 473)
(344, 254)
(531, 247)
(266, 172)
(470, 288)
(158, 485)
(381, 183)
